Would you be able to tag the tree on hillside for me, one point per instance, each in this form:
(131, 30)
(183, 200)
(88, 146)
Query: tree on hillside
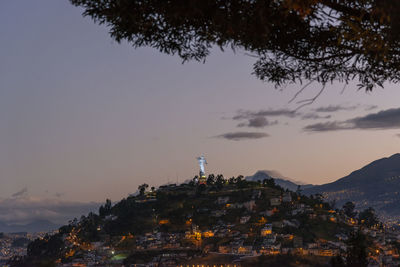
(337, 261)
(368, 217)
(220, 181)
(270, 182)
(292, 40)
(348, 209)
(106, 209)
(142, 188)
(357, 250)
(241, 182)
(211, 179)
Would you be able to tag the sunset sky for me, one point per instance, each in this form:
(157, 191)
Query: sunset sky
(83, 118)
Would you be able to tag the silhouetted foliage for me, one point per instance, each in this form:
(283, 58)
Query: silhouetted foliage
(337, 261)
(357, 250)
(48, 247)
(211, 179)
(292, 40)
(220, 181)
(106, 209)
(193, 182)
(368, 217)
(348, 209)
(200, 189)
(298, 190)
(269, 182)
(142, 188)
(241, 182)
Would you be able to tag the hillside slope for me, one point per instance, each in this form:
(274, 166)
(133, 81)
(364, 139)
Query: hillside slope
(376, 185)
(235, 217)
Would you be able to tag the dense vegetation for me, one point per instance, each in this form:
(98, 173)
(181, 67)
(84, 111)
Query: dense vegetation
(292, 40)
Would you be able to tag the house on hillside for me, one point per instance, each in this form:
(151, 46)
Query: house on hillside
(266, 230)
(249, 205)
(244, 219)
(287, 197)
(275, 201)
(222, 200)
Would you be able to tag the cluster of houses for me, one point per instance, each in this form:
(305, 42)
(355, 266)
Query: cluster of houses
(15, 244)
(243, 237)
(268, 241)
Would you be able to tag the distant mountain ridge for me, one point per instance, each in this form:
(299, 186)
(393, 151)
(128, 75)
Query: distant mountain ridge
(376, 184)
(280, 180)
(32, 227)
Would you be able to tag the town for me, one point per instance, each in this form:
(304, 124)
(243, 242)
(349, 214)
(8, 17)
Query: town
(15, 244)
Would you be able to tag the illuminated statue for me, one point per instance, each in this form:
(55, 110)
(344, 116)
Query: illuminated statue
(202, 161)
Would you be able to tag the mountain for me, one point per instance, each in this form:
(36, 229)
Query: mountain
(376, 185)
(32, 227)
(280, 180)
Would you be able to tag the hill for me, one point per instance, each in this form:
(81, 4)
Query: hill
(376, 185)
(182, 224)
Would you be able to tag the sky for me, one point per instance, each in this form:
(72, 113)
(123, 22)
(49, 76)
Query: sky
(83, 118)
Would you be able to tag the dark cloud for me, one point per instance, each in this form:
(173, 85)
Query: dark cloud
(22, 193)
(325, 127)
(370, 107)
(257, 122)
(258, 119)
(334, 108)
(385, 119)
(313, 116)
(246, 114)
(239, 136)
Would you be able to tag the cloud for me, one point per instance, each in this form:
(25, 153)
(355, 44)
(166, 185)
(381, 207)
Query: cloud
(22, 193)
(385, 119)
(325, 127)
(239, 136)
(258, 119)
(313, 116)
(28, 209)
(257, 122)
(247, 114)
(370, 107)
(334, 108)
(21, 209)
(59, 194)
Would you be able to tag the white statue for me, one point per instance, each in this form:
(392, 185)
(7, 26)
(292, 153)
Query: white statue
(202, 161)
